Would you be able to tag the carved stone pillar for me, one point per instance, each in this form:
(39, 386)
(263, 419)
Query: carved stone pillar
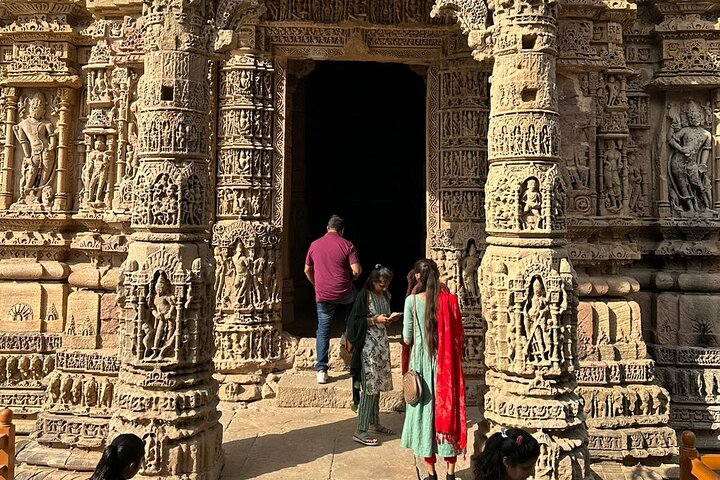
(166, 392)
(8, 170)
(246, 238)
(529, 288)
(716, 160)
(63, 184)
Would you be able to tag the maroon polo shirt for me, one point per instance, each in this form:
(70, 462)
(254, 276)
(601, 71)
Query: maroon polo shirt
(331, 257)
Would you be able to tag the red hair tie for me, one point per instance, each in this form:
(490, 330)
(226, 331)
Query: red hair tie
(519, 440)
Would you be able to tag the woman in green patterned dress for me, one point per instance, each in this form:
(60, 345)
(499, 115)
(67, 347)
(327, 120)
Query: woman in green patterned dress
(372, 308)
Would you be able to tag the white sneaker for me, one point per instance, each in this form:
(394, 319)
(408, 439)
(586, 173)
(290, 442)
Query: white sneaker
(322, 377)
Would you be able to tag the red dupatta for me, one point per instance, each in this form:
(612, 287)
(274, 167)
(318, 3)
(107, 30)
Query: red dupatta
(450, 415)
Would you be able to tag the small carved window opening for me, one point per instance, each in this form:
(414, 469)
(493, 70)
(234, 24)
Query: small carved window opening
(528, 94)
(528, 42)
(166, 93)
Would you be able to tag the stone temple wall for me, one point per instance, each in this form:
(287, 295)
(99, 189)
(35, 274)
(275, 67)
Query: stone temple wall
(99, 152)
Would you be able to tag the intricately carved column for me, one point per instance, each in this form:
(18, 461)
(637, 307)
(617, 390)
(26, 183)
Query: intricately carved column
(166, 392)
(529, 289)
(64, 155)
(8, 169)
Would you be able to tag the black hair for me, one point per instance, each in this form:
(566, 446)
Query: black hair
(378, 273)
(429, 282)
(517, 445)
(125, 450)
(336, 223)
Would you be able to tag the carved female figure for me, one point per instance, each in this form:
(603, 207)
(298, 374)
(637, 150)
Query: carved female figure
(470, 265)
(688, 163)
(38, 140)
(163, 311)
(537, 312)
(611, 175)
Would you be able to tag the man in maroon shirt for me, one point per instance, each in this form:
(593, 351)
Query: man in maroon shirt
(331, 266)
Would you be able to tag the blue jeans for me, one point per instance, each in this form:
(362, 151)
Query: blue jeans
(326, 313)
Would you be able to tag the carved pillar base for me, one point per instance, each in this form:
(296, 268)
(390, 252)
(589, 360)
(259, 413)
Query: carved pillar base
(166, 392)
(529, 303)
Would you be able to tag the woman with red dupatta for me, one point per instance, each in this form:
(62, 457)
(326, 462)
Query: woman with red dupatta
(432, 324)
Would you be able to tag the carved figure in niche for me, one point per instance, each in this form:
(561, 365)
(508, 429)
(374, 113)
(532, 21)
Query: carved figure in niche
(241, 283)
(54, 389)
(580, 172)
(12, 369)
(536, 322)
(66, 389)
(107, 393)
(163, 311)
(220, 272)
(613, 88)
(24, 369)
(36, 368)
(38, 140)
(531, 201)
(48, 365)
(77, 390)
(95, 171)
(470, 264)
(611, 175)
(636, 181)
(90, 392)
(688, 162)
(258, 267)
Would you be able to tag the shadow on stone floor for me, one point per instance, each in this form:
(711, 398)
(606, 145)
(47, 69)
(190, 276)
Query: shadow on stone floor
(316, 445)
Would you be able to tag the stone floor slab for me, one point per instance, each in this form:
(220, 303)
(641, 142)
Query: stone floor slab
(263, 441)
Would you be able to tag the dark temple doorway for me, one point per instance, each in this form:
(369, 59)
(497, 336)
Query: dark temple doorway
(357, 150)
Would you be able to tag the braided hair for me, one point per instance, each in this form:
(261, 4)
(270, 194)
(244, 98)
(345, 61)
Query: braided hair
(514, 445)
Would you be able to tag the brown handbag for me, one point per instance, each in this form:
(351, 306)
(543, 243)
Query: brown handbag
(412, 382)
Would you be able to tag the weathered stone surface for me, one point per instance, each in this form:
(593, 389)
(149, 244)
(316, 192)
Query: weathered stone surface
(302, 390)
(601, 152)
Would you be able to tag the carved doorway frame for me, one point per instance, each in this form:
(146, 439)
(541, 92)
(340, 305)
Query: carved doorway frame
(291, 41)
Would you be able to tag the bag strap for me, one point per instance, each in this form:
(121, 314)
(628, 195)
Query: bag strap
(412, 353)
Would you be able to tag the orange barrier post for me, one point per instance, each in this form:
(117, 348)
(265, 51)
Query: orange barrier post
(7, 445)
(688, 453)
(692, 465)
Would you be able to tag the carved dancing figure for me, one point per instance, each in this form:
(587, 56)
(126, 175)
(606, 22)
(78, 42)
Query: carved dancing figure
(38, 140)
(531, 203)
(537, 312)
(688, 163)
(164, 312)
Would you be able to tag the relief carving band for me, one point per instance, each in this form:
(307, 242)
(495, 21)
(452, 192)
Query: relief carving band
(688, 165)
(37, 138)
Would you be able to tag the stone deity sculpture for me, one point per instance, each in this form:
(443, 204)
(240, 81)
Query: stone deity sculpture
(688, 163)
(163, 311)
(531, 203)
(38, 141)
(611, 176)
(470, 265)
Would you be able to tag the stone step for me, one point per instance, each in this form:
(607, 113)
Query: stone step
(338, 358)
(300, 389)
